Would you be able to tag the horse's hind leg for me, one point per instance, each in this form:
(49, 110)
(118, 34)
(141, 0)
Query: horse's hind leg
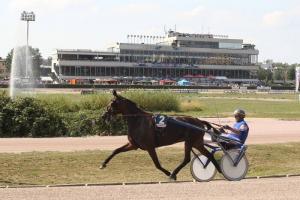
(186, 160)
(154, 157)
(124, 148)
(210, 156)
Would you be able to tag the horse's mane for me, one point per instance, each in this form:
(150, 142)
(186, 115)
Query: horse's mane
(132, 104)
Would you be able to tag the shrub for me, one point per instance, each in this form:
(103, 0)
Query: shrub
(63, 103)
(116, 127)
(79, 123)
(85, 123)
(95, 101)
(154, 101)
(72, 114)
(26, 117)
(190, 105)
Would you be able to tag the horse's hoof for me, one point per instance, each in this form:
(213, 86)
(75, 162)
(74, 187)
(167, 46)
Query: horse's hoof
(102, 166)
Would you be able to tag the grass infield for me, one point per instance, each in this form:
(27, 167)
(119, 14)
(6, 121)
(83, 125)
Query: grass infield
(205, 104)
(45, 168)
(281, 106)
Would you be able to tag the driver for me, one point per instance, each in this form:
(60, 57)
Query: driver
(240, 129)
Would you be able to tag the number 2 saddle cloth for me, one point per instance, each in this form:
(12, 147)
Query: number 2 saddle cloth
(160, 121)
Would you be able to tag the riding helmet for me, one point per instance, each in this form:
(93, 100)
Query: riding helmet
(240, 112)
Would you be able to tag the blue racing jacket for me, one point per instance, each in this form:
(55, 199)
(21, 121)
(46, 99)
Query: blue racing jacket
(243, 128)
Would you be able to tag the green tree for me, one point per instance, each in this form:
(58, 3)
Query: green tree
(261, 74)
(278, 74)
(281, 72)
(8, 60)
(269, 76)
(36, 61)
(291, 72)
(47, 61)
(265, 75)
(284, 71)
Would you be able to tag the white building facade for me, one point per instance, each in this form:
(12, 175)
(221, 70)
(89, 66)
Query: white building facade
(173, 57)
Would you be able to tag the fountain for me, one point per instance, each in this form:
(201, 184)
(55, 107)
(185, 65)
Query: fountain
(21, 76)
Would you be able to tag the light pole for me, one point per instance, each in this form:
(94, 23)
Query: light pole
(27, 16)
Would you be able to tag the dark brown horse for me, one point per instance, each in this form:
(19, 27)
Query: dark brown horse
(143, 134)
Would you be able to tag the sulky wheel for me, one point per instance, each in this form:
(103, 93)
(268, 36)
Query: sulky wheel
(231, 172)
(198, 171)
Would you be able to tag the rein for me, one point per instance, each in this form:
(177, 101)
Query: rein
(219, 125)
(134, 115)
(142, 115)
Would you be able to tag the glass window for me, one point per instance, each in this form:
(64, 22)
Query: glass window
(223, 45)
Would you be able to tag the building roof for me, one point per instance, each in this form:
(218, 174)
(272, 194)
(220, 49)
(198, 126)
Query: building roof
(84, 52)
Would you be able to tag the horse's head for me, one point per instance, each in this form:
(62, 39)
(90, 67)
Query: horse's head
(118, 105)
(113, 108)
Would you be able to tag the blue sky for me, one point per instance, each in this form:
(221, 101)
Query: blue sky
(273, 25)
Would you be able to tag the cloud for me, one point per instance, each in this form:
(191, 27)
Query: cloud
(206, 19)
(44, 4)
(274, 18)
(136, 8)
(209, 14)
(192, 13)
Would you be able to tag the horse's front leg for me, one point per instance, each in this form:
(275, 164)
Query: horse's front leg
(124, 148)
(186, 160)
(154, 157)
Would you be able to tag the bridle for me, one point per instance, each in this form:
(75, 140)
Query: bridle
(112, 112)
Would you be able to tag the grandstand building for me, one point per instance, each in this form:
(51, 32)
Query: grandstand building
(175, 56)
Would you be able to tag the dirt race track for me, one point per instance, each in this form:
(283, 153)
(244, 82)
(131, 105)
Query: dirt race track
(262, 131)
(258, 189)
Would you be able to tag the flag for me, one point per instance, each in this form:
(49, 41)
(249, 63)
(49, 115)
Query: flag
(297, 79)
